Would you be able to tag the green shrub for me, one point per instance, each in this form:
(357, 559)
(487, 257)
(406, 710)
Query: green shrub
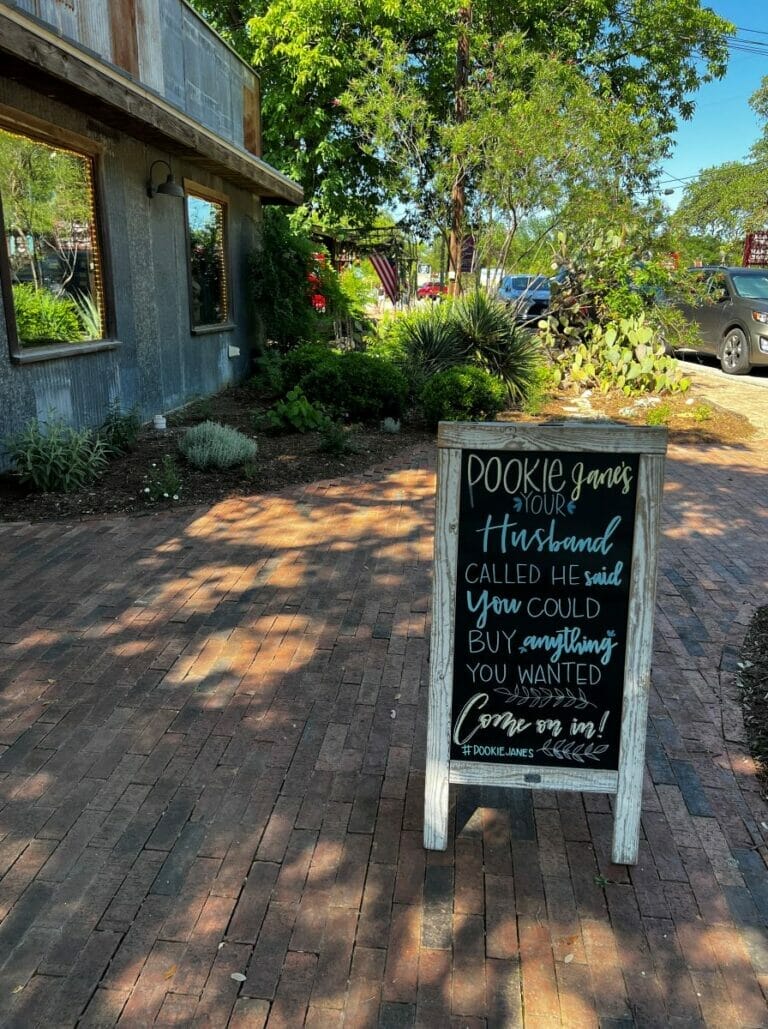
(54, 457)
(464, 393)
(211, 445)
(43, 318)
(490, 336)
(476, 329)
(294, 413)
(357, 386)
(425, 341)
(268, 379)
(336, 439)
(303, 359)
(540, 390)
(120, 431)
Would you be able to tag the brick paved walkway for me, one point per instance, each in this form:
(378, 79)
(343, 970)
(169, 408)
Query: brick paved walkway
(212, 738)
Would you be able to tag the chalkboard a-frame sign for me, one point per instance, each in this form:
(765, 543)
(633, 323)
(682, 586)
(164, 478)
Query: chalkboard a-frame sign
(545, 568)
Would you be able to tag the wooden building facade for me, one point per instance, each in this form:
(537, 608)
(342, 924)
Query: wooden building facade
(131, 190)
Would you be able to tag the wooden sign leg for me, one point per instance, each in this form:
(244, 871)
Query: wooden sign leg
(436, 805)
(629, 789)
(626, 817)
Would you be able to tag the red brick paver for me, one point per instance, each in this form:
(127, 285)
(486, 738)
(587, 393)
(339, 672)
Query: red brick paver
(212, 742)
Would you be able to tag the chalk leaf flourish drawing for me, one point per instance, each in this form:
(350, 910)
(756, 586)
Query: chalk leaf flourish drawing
(534, 696)
(570, 750)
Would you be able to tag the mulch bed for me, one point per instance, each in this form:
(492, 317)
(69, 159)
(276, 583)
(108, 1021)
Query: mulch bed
(290, 460)
(281, 461)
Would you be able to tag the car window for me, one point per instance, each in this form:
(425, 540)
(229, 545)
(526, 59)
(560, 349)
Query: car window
(518, 281)
(751, 287)
(718, 289)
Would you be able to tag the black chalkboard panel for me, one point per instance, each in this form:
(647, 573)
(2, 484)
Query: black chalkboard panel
(542, 598)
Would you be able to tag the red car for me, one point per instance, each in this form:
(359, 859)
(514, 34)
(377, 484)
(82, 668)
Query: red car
(431, 291)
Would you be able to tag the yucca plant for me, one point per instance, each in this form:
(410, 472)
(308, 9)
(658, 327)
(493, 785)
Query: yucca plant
(431, 343)
(488, 334)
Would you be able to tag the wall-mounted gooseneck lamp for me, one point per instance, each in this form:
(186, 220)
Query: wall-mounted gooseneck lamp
(169, 188)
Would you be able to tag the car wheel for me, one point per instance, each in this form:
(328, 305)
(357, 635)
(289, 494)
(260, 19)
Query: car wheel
(734, 358)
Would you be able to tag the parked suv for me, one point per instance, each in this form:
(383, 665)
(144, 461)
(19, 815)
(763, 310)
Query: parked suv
(528, 295)
(733, 317)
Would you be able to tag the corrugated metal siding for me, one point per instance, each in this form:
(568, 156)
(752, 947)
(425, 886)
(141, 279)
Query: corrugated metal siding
(148, 27)
(175, 75)
(164, 45)
(93, 26)
(158, 364)
(62, 14)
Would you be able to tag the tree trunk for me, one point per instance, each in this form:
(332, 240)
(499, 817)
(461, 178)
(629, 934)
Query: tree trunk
(458, 193)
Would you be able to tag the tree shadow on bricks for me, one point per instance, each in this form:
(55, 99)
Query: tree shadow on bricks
(214, 768)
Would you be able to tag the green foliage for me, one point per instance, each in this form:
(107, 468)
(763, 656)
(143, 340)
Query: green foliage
(541, 387)
(211, 445)
(359, 98)
(294, 413)
(336, 438)
(162, 483)
(89, 315)
(46, 203)
(357, 387)
(281, 289)
(702, 413)
(268, 379)
(462, 393)
(622, 355)
(54, 457)
(279, 281)
(43, 318)
(475, 329)
(303, 359)
(659, 415)
(423, 341)
(120, 430)
(490, 336)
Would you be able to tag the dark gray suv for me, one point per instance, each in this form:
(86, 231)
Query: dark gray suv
(733, 317)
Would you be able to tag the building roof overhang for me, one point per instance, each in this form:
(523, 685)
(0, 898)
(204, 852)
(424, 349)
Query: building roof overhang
(38, 57)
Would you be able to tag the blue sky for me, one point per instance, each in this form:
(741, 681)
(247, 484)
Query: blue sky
(724, 125)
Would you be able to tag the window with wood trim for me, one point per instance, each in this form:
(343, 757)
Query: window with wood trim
(50, 262)
(208, 264)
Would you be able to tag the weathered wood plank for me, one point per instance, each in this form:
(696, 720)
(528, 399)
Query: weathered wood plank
(637, 669)
(538, 777)
(441, 652)
(603, 437)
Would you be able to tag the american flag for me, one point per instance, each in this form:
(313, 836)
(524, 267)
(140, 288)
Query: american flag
(387, 272)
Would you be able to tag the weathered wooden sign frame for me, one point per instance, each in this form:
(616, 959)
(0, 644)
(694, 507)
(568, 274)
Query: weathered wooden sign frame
(626, 783)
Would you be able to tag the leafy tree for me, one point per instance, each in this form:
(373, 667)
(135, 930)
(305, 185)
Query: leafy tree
(644, 56)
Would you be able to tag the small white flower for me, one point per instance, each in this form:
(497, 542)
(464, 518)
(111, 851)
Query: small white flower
(175, 496)
(165, 495)
(146, 489)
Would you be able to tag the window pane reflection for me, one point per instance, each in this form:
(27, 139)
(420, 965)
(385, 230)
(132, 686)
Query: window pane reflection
(208, 272)
(49, 225)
